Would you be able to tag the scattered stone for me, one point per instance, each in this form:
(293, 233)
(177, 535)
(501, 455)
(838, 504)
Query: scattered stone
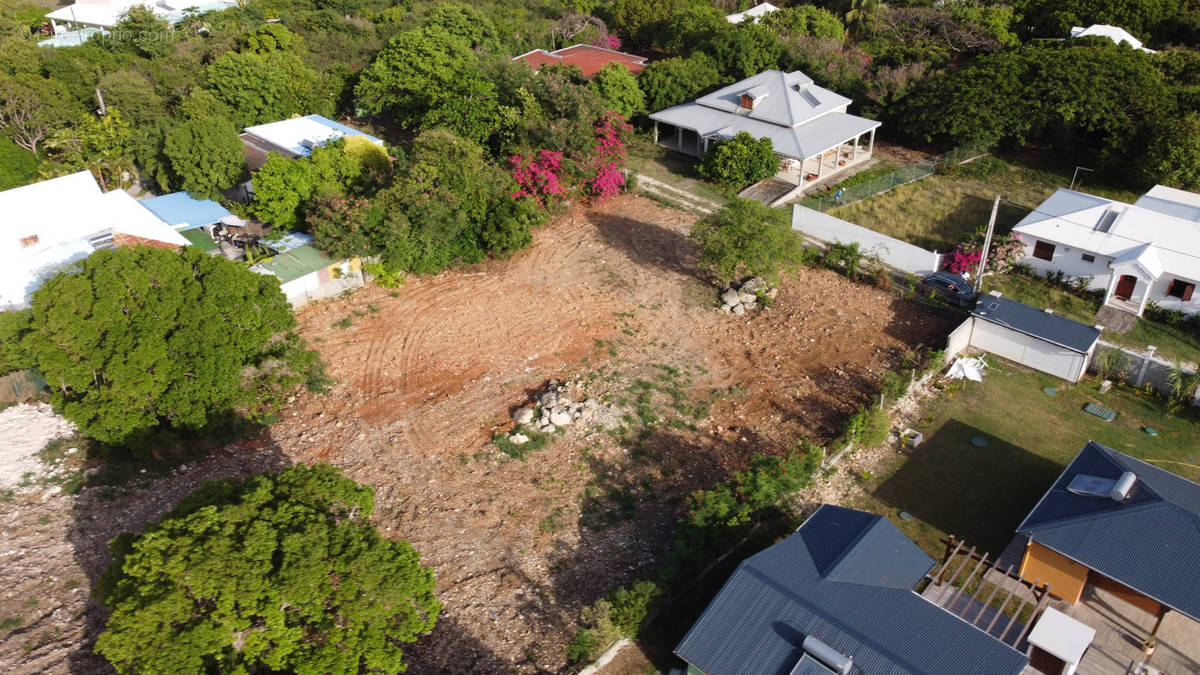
(92, 472)
(730, 297)
(523, 415)
(747, 298)
(518, 439)
(560, 418)
(739, 310)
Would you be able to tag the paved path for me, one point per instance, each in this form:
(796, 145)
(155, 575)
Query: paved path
(688, 200)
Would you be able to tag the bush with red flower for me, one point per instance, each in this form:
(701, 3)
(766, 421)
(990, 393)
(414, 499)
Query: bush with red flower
(1006, 251)
(549, 177)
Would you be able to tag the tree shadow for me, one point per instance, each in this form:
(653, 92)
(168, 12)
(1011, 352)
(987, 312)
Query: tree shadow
(101, 512)
(450, 648)
(969, 215)
(647, 244)
(978, 494)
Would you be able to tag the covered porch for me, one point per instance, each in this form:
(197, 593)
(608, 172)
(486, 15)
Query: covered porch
(1134, 274)
(808, 171)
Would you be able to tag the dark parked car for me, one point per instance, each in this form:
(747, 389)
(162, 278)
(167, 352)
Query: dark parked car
(952, 288)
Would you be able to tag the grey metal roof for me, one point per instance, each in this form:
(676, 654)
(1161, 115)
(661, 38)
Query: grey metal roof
(1150, 542)
(1022, 318)
(846, 578)
(801, 142)
(793, 99)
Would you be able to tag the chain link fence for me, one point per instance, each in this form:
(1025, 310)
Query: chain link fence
(902, 176)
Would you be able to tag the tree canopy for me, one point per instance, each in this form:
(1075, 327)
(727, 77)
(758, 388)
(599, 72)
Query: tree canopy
(205, 154)
(276, 573)
(739, 161)
(143, 339)
(746, 237)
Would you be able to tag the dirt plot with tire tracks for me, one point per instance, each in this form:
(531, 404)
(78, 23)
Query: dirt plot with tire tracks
(608, 300)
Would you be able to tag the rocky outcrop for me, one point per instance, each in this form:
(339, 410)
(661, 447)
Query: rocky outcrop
(741, 298)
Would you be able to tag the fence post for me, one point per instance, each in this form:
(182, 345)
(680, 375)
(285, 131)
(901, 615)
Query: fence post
(1145, 364)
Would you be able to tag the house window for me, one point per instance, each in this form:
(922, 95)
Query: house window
(1043, 250)
(1088, 258)
(26, 242)
(1180, 289)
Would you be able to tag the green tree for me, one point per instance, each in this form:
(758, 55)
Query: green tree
(99, 144)
(266, 87)
(1054, 18)
(673, 81)
(620, 88)
(693, 26)
(747, 237)
(140, 29)
(465, 23)
(426, 78)
(273, 37)
(739, 161)
(206, 155)
(14, 325)
(134, 94)
(285, 188)
(32, 108)
(141, 340)
(17, 166)
(805, 20)
(445, 192)
(275, 573)
(345, 227)
(643, 21)
(1173, 156)
(746, 51)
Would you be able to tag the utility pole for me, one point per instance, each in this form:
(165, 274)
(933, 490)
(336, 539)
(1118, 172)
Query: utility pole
(987, 245)
(1076, 174)
(103, 109)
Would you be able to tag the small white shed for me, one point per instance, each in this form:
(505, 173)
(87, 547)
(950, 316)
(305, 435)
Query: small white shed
(1032, 337)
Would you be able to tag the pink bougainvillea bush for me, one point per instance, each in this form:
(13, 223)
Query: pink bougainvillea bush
(540, 176)
(1006, 251)
(549, 177)
(608, 41)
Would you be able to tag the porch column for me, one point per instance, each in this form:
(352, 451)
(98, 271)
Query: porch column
(856, 139)
(871, 147)
(1145, 296)
(820, 165)
(705, 145)
(1112, 281)
(679, 139)
(655, 131)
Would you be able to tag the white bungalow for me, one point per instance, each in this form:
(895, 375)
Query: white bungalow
(751, 15)
(808, 125)
(1135, 253)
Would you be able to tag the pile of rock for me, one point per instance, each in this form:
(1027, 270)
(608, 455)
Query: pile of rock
(556, 408)
(740, 298)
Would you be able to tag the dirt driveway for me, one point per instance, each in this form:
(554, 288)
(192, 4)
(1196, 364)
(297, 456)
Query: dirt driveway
(606, 299)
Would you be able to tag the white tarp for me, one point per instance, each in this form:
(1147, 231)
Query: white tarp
(969, 368)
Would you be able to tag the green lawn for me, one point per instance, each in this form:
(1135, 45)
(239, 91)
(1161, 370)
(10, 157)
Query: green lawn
(980, 495)
(1174, 344)
(673, 168)
(940, 211)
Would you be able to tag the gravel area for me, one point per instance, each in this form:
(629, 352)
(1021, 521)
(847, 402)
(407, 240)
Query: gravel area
(24, 430)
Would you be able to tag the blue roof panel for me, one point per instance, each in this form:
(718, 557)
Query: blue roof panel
(1149, 542)
(776, 598)
(1059, 330)
(183, 211)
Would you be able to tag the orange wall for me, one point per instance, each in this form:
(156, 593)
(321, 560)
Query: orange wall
(1043, 566)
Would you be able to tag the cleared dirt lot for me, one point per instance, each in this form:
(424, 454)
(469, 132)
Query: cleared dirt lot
(606, 299)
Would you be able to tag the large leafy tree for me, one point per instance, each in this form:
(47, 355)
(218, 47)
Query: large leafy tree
(205, 154)
(739, 161)
(619, 88)
(1173, 157)
(746, 237)
(805, 20)
(142, 339)
(673, 81)
(275, 573)
(266, 87)
(32, 108)
(429, 77)
(17, 166)
(746, 51)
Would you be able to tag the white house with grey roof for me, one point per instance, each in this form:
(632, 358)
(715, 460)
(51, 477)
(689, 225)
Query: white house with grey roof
(808, 125)
(1135, 253)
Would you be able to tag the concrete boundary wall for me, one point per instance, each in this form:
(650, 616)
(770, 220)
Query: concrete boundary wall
(892, 252)
(1140, 369)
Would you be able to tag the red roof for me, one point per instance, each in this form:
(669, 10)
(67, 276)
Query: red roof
(589, 58)
(120, 240)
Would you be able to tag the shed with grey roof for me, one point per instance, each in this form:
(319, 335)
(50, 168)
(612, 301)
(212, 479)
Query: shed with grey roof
(839, 589)
(1032, 337)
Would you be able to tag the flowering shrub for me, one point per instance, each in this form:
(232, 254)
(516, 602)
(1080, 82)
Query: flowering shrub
(539, 176)
(1005, 251)
(608, 41)
(546, 175)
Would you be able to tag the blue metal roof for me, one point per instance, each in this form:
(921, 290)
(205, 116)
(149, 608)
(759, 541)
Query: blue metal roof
(846, 578)
(1022, 318)
(183, 211)
(349, 131)
(1149, 542)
